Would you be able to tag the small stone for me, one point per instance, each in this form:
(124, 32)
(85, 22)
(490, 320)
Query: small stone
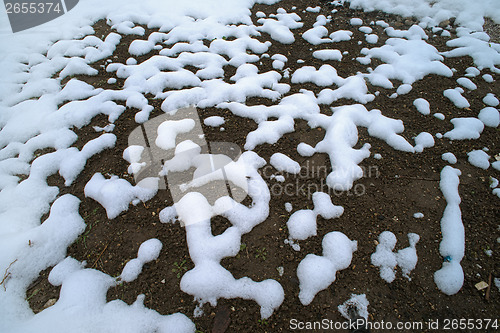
(49, 303)
(481, 285)
(163, 281)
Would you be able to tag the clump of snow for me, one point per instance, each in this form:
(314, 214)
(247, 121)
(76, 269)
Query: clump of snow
(313, 9)
(465, 129)
(418, 215)
(340, 36)
(404, 89)
(405, 60)
(317, 273)
(279, 29)
(490, 100)
(116, 194)
(455, 96)
(305, 150)
(488, 78)
(214, 121)
(132, 154)
(479, 158)
(466, 83)
(302, 224)
(450, 278)
(170, 129)
(327, 55)
(281, 162)
(208, 280)
(423, 140)
(449, 157)
(384, 258)
(472, 72)
(288, 207)
(387, 260)
(356, 21)
(148, 251)
(316, 35)
(439, 116)
(371, 39)
(489, 116)
(407, 257)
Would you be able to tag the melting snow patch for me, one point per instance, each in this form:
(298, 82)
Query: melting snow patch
(208, 280)
(214, 121)
(489, 116)
(281, 162)
(439, 116)
(148, 251)
(479, 158)
(465, 129)
(423, 140)
(449, 157)
(328, 55)
(116, 194)
(302, 223)
(490, 100)
(356, 21)
(488, 78)
(450, 278)
(456, 97)
(340, 36)
(386, 260)
(317, 273)
(418, 215)
(422, 106)
(466, 83)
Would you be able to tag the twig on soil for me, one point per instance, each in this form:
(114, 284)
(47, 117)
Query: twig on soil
(99, 257)
(416, 178)
(489, 288)
(6, 275)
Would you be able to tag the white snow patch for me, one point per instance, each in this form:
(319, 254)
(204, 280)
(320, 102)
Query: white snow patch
(214, 121)
(490, 100)
(479, 158)
(465, 129)
(148, 251)
(466, 83)
(450, 278)
(489, 116)
(386, 260)
(449, 157)
(302, 224)
(116, 194)
(422, 106)
(281, 162)
(326, 55)
(317, 273)
(455, 96)
(423, 140)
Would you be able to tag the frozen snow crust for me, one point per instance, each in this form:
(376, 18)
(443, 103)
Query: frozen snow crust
(43, 104)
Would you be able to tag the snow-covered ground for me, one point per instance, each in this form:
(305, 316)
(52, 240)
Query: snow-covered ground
(42, 103)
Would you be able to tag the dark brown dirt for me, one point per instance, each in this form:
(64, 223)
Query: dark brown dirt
(393, 189)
